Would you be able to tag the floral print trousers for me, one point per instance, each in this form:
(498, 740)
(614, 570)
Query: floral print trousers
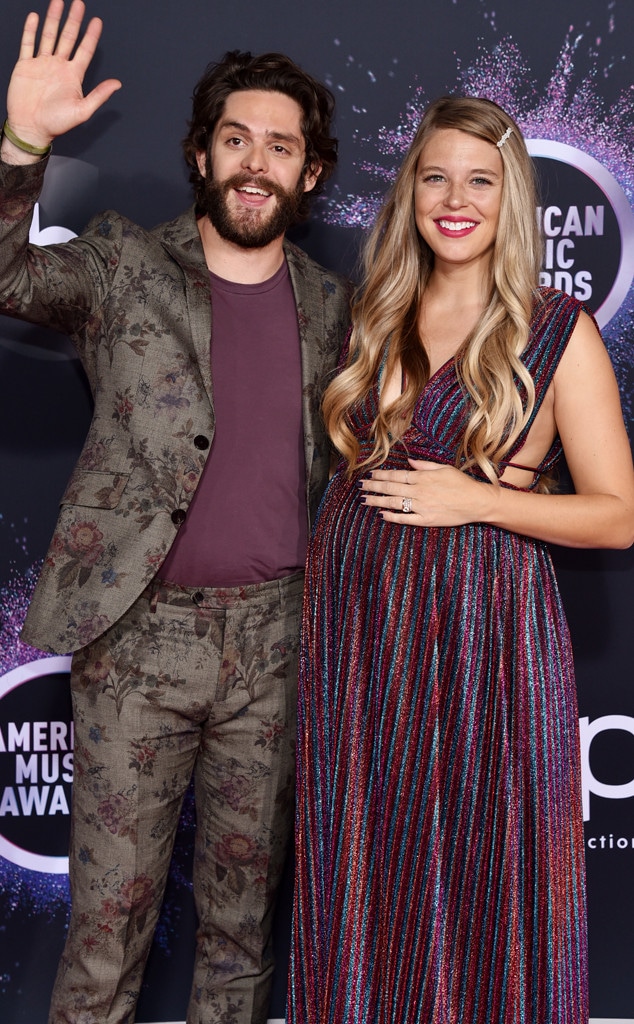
(189, 681)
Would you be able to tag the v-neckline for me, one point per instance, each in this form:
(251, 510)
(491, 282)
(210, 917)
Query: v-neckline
(432, 377)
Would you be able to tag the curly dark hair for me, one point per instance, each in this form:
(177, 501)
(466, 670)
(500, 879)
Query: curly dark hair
(239, 71)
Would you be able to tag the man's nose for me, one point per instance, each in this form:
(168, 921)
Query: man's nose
(255, 158)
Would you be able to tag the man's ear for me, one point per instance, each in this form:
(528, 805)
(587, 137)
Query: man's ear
(201, 160)
(310, 177)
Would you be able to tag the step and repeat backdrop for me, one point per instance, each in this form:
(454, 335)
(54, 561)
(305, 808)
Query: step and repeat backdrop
(564, 70)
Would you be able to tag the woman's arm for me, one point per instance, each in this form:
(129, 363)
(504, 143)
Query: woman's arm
(588, 418)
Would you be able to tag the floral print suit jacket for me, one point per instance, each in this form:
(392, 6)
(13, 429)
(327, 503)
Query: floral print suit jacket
(136, 305)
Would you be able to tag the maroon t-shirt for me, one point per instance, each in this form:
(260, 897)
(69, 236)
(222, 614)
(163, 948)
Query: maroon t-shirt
(248, 519)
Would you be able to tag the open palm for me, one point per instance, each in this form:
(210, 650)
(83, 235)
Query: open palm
(45, 96)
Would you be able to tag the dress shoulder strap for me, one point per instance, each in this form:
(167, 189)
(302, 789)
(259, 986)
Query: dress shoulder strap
(555, 316)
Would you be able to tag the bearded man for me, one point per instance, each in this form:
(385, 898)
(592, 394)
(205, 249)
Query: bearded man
(175, 570)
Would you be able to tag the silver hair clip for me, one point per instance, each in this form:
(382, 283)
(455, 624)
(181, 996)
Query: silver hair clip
(507, 135)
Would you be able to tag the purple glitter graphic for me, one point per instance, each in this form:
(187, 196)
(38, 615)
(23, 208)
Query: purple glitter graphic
(14, 601)
(570, 110)
(29, 893)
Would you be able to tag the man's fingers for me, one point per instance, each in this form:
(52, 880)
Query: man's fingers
(70, 31)
(86, 49)
(48, 39)
(61, 43)
(27, 44)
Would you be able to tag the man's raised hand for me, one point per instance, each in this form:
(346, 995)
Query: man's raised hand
(45, 96)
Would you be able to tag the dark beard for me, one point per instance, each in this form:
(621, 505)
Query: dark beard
(246, 228)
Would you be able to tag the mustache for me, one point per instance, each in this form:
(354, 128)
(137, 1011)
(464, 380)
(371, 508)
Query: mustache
(242, 178)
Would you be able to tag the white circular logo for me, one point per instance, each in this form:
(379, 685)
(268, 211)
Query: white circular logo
(588, 228)
(36, 765)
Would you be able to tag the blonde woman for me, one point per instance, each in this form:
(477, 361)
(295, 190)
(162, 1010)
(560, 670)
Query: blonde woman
(440, 874)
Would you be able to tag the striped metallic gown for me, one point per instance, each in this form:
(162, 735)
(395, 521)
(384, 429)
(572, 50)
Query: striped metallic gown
(440, 871)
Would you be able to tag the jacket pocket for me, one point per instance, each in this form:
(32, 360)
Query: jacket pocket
(95, 489)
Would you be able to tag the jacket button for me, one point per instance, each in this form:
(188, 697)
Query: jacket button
(201, 442)
(178, 516)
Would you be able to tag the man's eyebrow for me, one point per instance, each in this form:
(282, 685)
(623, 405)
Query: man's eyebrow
(277, 136)
(285, 137)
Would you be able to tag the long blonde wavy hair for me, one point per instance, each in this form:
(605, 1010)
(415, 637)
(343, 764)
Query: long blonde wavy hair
(397, 264)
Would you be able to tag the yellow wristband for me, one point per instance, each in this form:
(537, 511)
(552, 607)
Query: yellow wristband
(26, 147)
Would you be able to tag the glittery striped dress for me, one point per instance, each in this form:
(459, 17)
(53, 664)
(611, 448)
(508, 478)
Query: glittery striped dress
(440, 872)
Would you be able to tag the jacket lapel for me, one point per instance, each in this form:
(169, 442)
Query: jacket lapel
(182, 240)
(312, 332)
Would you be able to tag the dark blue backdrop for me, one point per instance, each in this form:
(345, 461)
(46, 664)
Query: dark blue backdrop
(564, 71)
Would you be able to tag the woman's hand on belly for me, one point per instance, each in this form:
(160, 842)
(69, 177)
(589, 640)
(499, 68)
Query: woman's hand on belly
(428, 494)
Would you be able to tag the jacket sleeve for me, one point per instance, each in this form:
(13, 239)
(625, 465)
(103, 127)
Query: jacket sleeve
(58, 286)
